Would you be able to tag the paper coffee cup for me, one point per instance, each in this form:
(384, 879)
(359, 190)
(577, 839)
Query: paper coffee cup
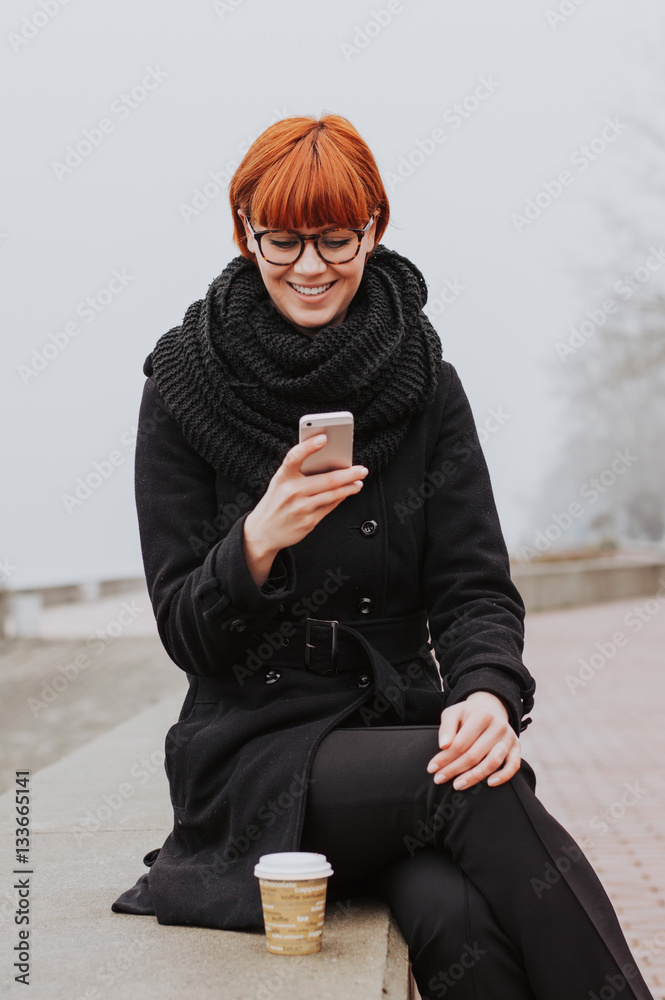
(293, 894)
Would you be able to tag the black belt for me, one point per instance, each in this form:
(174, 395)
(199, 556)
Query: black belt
(329, 647)
(324, 642)
(326, 648)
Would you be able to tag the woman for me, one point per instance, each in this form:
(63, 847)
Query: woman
(306, 609)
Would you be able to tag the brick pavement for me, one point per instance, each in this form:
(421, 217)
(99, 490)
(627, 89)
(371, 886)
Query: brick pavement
(597, 745)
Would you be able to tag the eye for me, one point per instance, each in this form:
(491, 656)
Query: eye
(336, 241)
(279, 241)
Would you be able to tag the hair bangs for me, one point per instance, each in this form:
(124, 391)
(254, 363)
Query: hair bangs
(306, 173)
(307, 192)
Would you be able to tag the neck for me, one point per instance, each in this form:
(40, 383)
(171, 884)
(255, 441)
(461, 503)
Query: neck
(309, 331)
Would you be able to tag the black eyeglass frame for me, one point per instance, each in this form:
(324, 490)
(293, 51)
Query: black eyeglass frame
(360, 233)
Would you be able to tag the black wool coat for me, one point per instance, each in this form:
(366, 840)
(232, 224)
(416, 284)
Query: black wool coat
(413, 565)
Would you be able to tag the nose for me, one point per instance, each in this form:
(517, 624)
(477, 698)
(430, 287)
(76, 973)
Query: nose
(310, 263)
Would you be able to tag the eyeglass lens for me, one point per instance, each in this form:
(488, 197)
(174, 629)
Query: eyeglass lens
(336, 246)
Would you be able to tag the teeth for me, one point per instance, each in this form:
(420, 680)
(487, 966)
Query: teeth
(306, 290)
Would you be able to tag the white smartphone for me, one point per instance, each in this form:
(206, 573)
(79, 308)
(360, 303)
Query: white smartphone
(337, 452)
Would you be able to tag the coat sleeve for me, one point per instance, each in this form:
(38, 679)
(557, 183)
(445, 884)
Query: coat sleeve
(476, 613)
(207, 605)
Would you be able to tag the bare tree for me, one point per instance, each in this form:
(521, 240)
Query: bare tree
(608, 484)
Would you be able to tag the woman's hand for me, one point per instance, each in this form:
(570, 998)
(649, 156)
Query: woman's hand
(293, 504)
(476, 739)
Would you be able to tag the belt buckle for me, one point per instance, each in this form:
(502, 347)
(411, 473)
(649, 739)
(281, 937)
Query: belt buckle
(309, 646)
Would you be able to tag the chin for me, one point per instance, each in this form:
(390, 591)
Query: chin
(309, 321)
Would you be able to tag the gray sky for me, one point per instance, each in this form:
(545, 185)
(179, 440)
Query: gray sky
(536, 88)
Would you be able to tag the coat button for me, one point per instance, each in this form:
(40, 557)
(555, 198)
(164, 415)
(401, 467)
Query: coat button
(364, 605)
(272, 677)
(369, 528)
(238, 625)
(364, 681)
(285, 641)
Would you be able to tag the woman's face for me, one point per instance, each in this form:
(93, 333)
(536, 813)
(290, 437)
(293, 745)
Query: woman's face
(338, 282)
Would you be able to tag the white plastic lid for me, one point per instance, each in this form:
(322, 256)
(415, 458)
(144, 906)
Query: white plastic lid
(293, 865)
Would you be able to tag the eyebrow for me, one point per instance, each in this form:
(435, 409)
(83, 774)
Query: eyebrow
(291, 229)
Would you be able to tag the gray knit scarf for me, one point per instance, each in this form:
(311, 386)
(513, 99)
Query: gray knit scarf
(237, 376)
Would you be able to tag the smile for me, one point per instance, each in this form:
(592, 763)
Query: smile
(311, 289)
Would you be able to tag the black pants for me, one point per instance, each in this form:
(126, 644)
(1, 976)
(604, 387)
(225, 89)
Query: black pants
(495, 899)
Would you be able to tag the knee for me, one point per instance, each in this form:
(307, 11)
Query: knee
(445, 802)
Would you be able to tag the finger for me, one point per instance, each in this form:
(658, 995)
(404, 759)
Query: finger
(498, 755)
(466, 737)
(332, 497)
(511, 766)
(295, 456)
(473, 757)
(318, 481)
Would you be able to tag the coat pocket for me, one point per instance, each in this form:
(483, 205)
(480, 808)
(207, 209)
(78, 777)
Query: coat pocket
(420, 671)
(176, 750)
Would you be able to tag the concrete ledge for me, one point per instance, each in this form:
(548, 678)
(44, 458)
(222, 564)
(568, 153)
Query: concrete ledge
(586, 581)
(95, 813)
(13, 601)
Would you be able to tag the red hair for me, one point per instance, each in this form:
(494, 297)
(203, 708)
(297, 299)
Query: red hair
(303, 172)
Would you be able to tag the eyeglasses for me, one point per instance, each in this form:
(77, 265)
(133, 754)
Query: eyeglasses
(285, 246)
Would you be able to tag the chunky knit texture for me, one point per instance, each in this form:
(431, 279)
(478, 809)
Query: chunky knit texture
(237, 376)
